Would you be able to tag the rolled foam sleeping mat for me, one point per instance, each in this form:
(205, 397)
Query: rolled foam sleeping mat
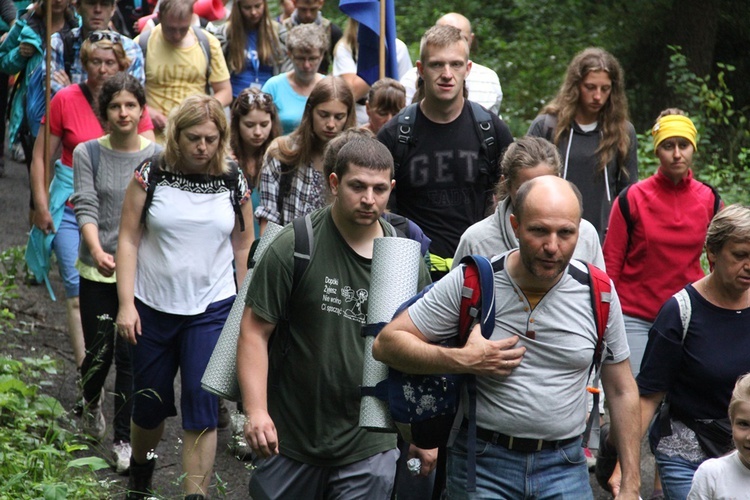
(220, 377)
(394, 278)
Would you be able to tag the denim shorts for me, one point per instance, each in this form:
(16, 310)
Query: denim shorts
(559, 473)
(170, 342)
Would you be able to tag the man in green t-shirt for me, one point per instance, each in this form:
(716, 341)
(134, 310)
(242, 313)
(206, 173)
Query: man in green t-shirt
(300, 383)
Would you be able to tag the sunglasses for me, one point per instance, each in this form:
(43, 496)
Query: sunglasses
(98, 36)
(260, 97)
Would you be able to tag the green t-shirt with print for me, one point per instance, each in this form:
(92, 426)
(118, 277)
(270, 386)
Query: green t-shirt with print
(315, 365)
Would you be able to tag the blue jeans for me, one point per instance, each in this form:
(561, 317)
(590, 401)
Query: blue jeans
(676, 475)
(65, 246)
(504, 474)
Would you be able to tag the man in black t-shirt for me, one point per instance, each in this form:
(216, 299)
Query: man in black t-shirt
(446, 179)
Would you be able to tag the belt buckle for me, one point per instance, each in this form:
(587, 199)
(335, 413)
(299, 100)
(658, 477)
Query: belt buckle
(539, 444)
(510, 443)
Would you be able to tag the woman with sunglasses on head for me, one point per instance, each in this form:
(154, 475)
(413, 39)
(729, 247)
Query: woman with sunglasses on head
(102, 169)
(306, 45)
(74, 119)
(292, 182)
(254, 125)
(185, 220)
(251, 45)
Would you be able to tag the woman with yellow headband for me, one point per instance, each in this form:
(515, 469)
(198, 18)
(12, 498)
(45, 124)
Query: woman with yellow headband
(657, 229)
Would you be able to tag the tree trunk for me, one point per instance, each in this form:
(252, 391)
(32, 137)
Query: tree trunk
(695, 25)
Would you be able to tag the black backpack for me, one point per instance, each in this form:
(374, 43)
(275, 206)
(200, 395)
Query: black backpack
(485, 130)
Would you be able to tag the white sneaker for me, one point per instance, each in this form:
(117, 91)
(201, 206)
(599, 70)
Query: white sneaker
(122, 451)
(93, 421)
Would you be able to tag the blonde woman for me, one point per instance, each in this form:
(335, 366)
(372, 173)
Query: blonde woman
(183, 225)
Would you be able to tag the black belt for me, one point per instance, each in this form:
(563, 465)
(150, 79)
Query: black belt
(524, 445)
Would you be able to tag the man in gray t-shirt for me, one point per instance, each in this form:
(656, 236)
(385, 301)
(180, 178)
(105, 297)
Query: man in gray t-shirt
(532, 372)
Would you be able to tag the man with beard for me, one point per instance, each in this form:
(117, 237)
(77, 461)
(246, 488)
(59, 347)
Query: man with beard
(532, 372)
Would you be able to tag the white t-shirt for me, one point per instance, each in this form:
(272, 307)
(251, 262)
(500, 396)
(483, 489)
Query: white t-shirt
(722, 478)
(344, 63)
(185, 255)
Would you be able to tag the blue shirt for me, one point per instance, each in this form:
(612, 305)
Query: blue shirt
(290, 104)
(255, 74)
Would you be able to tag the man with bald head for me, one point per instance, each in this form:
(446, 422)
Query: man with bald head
(532, 372)
(482, 83)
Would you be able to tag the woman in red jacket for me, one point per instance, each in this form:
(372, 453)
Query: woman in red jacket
(657, 229)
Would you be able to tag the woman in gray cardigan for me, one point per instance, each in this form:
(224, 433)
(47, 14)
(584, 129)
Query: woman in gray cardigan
(102, 169)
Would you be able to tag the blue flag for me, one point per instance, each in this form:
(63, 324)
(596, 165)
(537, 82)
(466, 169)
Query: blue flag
(367, 13)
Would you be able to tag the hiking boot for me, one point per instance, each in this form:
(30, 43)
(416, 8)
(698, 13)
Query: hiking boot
(93, 421)
(224, 418)
(121, 452)
(139, 484)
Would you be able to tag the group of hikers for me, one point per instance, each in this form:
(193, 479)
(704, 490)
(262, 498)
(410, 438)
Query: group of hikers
(180, 146)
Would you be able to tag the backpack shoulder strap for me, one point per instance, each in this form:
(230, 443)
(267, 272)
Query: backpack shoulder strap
(717, 197)
(202, 36)
(548, 131)
(601, 298)
(478, 279)
(477, 297)
(92, 148)
(404, 127)
(154, 175)
(622, 201)
(485, 131)
(686, 310)
(600, 287)
(143, 42)
(304, 245)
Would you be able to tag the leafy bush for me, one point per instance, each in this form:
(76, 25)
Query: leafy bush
(37, 454)
(723, 155)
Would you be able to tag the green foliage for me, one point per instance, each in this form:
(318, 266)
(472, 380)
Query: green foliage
(37, 454)
(723, 156)
(11, 262)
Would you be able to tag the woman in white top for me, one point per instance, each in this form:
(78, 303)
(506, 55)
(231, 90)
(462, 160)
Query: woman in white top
(185, 220)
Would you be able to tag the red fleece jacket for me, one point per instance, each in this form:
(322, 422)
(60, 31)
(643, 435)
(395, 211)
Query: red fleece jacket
(662, 252)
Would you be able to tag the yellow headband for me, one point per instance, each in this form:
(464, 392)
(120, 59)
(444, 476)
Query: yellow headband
(674, 126)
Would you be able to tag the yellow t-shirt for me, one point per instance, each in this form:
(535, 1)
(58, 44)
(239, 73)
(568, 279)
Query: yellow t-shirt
(172, 74)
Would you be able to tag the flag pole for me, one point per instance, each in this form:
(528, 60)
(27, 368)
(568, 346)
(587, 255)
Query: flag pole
(47, 91)
(381, 65)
